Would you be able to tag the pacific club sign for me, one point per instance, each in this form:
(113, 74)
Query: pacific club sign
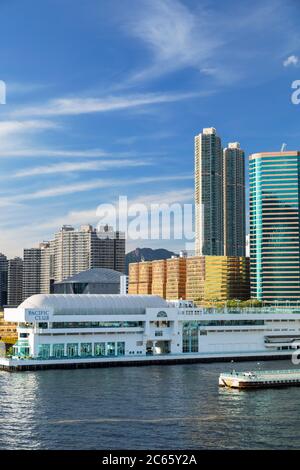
(37, 315)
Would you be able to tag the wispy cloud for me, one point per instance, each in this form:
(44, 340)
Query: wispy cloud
(291, 60)
(75, 188)
(8, 128)
(90, 215)
(175, 35)
(204, 39)
(35, 151)
(77, 106)
(67, 167)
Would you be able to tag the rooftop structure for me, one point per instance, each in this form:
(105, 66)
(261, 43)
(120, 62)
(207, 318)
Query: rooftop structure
(92, 281)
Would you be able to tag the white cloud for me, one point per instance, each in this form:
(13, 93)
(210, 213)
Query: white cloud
(176, 37)
(21, 151)
(77, 106)
(202, 37)
(7, 128)
(67, 167)
(77, 218)
(88, 186)
(291, 60)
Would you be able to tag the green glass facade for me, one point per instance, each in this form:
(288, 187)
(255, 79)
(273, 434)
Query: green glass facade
(74, 350)
(274, 227)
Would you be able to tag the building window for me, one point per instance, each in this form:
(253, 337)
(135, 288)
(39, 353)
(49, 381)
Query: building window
(86, 349)
(44, 351)
(99, 349)
(72, 349)
(111, 349)
(190, 342)
(121, 348)
(58, 350)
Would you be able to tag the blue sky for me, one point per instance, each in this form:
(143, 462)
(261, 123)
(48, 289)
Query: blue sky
(104, 98)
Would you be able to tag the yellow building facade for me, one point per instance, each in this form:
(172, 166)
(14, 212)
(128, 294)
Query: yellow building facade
(8, 331)
(226, 277)
(198, 278)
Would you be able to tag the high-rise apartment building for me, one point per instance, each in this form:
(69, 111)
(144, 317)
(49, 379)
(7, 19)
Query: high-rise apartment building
(108, 249)
(87, 248)
(219, 196)
(15, 282)
(234, 200)
(47, 266)
(72, 251)
(69, 253)
(31, 272)
(3, 279)
(274, 227)
(209, 193)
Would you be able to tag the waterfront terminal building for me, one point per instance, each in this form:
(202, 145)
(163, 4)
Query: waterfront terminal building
(76, 330)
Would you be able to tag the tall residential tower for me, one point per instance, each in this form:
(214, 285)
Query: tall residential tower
(209, 193)
(31, 272)
(15, 282)
(234, 200)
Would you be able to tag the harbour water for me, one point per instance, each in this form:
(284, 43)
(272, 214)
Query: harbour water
(152, 407)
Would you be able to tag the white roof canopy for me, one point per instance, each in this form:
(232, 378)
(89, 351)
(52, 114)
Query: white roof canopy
(93, 304)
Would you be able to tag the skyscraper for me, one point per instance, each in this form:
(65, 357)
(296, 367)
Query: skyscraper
(3, 280)
(47, 266)
(209, 193)
(108, 249)
(31, 272)
(15, 282)
(72, 251)
(234, 200)
(274, 227)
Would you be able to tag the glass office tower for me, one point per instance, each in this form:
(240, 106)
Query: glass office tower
(274, 227)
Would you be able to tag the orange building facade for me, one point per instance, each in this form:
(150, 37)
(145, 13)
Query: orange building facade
(198, 278)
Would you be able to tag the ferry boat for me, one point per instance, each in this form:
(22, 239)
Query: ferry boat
(260, 379)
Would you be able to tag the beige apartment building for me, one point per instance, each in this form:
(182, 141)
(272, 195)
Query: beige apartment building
(198, 278)
(176, 278)
(159, 277)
